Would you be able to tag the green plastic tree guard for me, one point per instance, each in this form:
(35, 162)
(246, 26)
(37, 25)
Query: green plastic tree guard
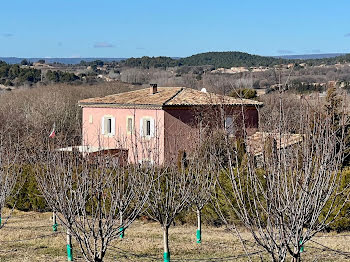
(121, 232)
(301, 247)
(54, 221)
(69, 253)
(69, 246)
(167, 257)
(199, 236)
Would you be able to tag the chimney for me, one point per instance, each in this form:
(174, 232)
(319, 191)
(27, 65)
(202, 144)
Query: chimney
(153, 89)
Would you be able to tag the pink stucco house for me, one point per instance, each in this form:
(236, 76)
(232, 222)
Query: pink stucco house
(157, 123)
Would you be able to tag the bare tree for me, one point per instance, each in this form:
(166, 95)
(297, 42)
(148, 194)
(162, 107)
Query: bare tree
(89, 195)
(292, 108)
(170, 194)
(295, 193)
(10, 168)
(201, 168)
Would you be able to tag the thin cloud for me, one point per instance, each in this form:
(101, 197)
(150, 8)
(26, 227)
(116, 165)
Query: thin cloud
(140, 48)
(316, 51)
(7, 35)
(103, 45)
(285, 52)
(347, 35)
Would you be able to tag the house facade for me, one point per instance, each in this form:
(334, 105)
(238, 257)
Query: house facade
(155, 124)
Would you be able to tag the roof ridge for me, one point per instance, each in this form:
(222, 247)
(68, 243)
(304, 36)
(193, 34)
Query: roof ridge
(123, 93)
(171, 98)
(111, 95)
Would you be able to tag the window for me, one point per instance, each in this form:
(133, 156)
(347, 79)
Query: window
(229, 125)
(108, 125)
(147, 127)
(129, 125)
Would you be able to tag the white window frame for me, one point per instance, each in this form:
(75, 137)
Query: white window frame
(129, 132)
(104, 123)
(143, 121)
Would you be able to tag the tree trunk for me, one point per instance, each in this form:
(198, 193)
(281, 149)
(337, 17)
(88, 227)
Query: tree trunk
(296, 255)
(0, 217)
(166, 243)
(121, 229)
(199, 226)
(99, 258)
(54, 222)
(69, 246)
(296, 259)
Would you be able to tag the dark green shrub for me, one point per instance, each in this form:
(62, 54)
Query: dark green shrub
(247, 93)
(342, 222)
(29, 197)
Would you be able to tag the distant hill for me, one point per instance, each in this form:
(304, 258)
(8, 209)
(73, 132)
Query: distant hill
(230, 59)
(71, 61)
(235, 59)
(311, 56)
(152, 62)
(215, 59)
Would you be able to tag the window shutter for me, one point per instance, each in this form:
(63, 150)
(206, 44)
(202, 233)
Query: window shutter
(113, 126)
(103, 125)
(229, 124)
(129, 125)
(144, 126)
(106, 125)
(152, 127)
(141, 127)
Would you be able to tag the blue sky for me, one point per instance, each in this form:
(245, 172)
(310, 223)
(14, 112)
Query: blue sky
(106, 28)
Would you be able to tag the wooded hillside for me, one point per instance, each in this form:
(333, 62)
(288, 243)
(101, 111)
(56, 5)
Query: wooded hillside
(226, 60)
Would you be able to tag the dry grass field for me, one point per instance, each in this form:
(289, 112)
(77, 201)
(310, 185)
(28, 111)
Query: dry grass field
(29, 237)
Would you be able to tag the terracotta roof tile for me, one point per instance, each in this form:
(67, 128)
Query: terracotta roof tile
(190, 96)
(166, 96)
(138, 97)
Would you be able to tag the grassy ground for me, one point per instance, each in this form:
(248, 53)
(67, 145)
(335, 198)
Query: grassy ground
(29, 237)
